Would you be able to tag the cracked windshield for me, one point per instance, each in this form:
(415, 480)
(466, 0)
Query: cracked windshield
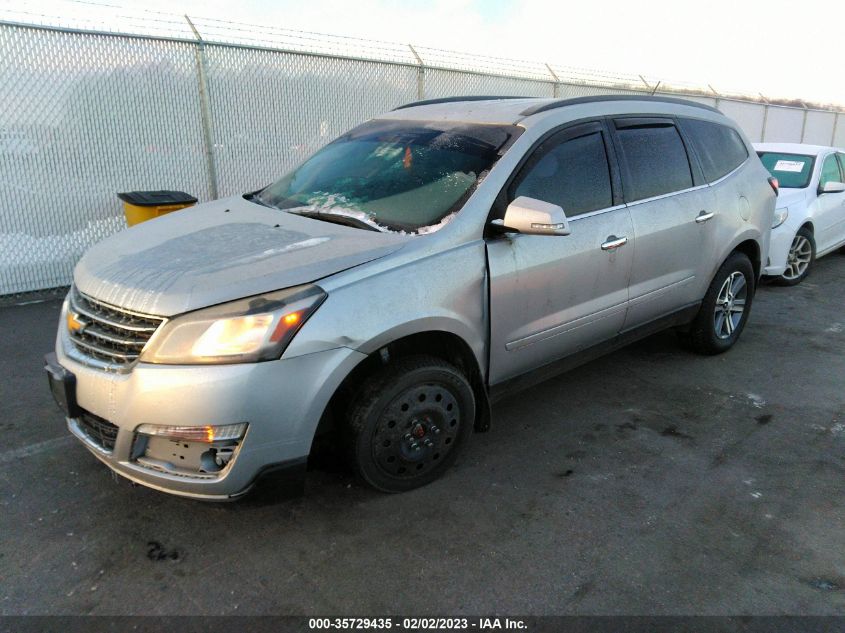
(400, 176)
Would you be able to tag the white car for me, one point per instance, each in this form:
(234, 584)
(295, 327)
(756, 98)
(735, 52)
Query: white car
(810, 215)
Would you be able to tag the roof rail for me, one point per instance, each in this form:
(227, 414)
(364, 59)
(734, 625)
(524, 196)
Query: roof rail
(454, 100)
(562, 103)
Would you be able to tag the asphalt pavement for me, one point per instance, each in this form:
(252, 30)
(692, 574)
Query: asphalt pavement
(651, 481)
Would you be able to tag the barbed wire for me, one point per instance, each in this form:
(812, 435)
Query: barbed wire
(142, 21)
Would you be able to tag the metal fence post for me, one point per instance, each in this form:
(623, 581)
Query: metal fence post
(804, 121)
(205, 111)
(717, 100)
(835, 126)
(556, 84)
(765, 117)
(765, 123)
(420, 74)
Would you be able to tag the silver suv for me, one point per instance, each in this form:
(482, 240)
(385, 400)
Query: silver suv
(391, 286)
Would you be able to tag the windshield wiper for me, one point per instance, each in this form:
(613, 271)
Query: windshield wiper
(337, 218)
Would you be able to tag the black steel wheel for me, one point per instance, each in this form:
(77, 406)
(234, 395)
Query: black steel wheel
(408, 423)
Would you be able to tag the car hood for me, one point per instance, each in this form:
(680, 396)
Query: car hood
(221, 251)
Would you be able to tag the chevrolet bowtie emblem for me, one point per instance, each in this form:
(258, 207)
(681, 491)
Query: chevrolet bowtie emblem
(74, 323)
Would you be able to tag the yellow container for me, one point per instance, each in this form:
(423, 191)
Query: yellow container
(140, 206)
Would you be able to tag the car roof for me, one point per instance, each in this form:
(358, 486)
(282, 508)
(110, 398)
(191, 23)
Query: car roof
(795, 148)
(498, 110)
(513, 110)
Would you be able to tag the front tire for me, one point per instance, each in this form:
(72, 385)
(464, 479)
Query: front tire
(725, 308)
(802, 256)
(408, 423)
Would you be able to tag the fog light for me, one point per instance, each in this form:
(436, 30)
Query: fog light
(217, 458)
(207, 433)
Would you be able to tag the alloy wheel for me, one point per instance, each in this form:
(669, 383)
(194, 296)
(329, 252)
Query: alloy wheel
(799, 258)
(730, 305)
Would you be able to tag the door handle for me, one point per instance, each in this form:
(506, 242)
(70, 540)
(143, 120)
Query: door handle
(613, 243)
(702, 217)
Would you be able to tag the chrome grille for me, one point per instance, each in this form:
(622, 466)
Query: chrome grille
(102, 432)
(108, 333)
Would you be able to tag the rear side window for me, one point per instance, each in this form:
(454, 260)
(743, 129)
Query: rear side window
(720, 148)
(830, 171)
(656, 159)
(573, 174)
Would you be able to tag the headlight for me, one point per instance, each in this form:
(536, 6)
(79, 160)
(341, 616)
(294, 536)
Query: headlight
(780, 217)
(205, 434)
(244, 331)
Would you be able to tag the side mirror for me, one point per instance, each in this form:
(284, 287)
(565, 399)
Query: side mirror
(831, 186)
(534, 217)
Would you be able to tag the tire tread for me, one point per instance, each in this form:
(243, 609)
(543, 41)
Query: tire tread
(701, 337)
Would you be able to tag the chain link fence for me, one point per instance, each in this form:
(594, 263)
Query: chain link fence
(216, 108)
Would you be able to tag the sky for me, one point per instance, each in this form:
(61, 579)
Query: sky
(780, 48)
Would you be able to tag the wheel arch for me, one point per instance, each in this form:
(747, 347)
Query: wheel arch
(751, 248)
(445, 344)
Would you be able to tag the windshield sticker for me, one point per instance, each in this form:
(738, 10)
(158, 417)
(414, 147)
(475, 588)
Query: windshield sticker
(790, 165)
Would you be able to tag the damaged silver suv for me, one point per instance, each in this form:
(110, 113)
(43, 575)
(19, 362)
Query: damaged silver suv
(391, 286)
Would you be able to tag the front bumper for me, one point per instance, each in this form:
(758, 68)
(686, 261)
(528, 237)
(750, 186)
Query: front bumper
(282, 401)
(779, 245)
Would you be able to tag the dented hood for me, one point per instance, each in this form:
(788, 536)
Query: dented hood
(221, 251)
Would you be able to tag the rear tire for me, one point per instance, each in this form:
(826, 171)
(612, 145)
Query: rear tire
(408, 423)
(802, 256)
(725, 308)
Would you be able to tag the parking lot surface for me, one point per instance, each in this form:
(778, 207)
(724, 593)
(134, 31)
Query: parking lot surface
(651, 481)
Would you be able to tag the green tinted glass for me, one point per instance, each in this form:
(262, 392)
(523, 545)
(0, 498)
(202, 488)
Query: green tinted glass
(830, 171)
(399, 175)
(793, 171)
